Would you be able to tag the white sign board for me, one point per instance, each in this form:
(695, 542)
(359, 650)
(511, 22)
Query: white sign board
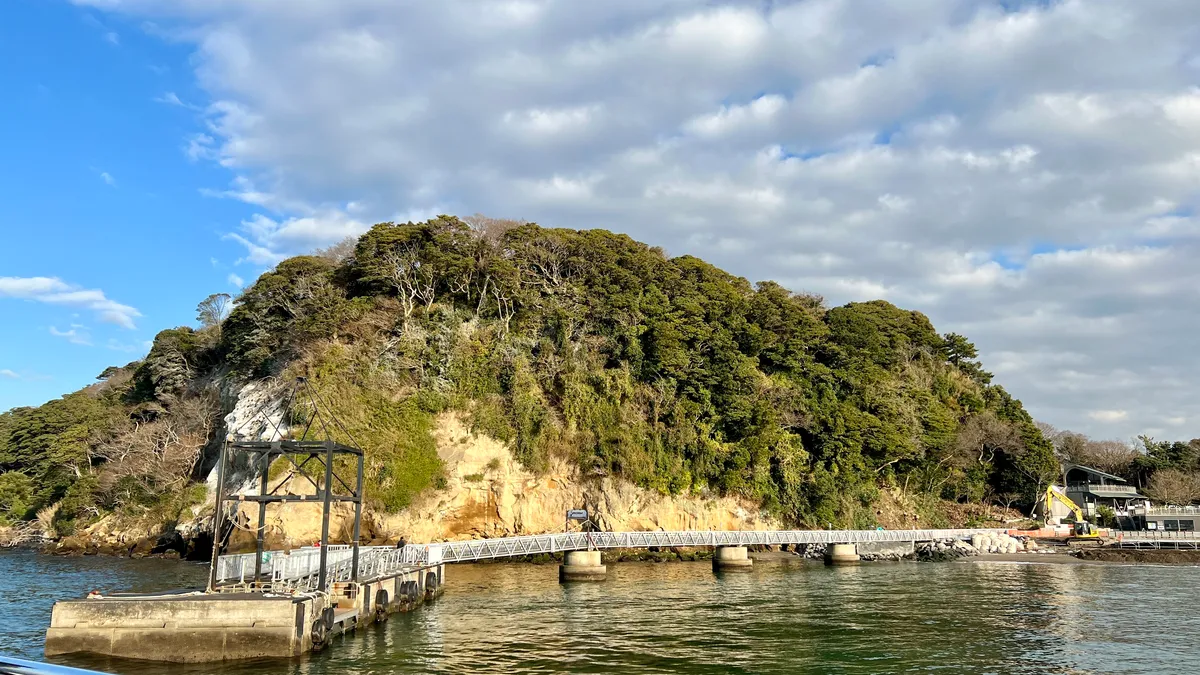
(433, 555)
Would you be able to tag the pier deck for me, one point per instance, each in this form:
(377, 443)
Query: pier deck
(200, 626)
(282, 604)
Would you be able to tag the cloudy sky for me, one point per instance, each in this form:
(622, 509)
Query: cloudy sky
(1025, 173)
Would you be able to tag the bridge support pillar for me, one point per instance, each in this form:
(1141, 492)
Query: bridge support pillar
(731, 559)
(841, 554)
(581, 566)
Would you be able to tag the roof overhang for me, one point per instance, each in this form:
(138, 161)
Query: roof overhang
(1112, 494)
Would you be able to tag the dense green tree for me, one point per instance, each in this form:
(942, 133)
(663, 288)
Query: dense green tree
(581, 345)
(16, 496)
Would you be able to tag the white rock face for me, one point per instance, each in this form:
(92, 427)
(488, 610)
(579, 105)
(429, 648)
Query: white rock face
(259, 414)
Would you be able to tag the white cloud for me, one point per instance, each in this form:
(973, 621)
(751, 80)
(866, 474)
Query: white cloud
(55, 291)
(200, 146)
(9, 374)
(1023, 172)
(170, 98)
(129, 348)
(268, 241)
(1108, 415)
(20, 287)
(760, 111)
(235, 280)
(112, 38)
(74, 335)
(108, 179)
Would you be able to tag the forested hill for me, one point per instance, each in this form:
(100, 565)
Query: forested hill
(585, 345)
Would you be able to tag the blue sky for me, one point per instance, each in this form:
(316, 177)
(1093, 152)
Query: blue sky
(99, 192)
(1023, 172)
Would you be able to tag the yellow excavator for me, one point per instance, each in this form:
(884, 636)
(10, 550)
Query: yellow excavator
(1081, 528)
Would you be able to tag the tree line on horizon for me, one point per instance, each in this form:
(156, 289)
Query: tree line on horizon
(1165, 471)
(584, 347)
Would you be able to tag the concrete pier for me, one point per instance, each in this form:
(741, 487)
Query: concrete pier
(582, 566)
(731, 559)
(841, 554)
(201, 627)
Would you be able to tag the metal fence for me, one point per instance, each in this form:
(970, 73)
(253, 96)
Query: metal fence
(299, 569)
(1159, 539)
(1172, 511)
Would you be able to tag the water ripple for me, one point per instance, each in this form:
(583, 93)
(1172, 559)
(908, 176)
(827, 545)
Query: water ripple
(785, 616)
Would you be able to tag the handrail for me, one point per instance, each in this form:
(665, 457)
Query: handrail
(297, 570)
(1160, 535)
(1081, 487)
(1172, 510)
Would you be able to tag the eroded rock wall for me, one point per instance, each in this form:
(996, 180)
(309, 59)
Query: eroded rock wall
(488, 494)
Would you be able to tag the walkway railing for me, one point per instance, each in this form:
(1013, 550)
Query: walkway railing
(506, 547)
(1159, 539)
(1172, 511)
(298, 569)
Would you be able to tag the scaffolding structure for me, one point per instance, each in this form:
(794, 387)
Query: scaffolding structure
(305, 458)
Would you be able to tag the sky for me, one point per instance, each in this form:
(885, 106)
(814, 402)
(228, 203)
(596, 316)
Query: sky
(1023, 172)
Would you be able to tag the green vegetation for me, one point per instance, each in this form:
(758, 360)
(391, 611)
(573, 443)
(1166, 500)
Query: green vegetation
(1166, 471)
(581, 345)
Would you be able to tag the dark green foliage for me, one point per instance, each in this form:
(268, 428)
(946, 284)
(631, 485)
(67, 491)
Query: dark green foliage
(51, 443)
(961, 353)
(16, 496)
(174, 359)
(594, 348)
(1155, 456)
(299, 301)
(680, 377)
(879, 333)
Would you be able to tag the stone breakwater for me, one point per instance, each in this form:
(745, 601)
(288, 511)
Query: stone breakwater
(942, 549)
(949, 549)
(818, 551)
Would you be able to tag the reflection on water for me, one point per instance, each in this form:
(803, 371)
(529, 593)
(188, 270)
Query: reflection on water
(784, 616)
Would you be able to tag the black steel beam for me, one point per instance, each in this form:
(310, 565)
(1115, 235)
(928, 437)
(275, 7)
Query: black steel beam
(292, 498)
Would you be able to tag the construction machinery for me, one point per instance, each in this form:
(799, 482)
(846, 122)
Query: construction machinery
(1081, 528)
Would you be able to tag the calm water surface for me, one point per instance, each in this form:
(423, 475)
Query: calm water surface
(786, 616)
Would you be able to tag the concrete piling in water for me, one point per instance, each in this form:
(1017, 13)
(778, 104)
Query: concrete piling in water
(841, 554)
(731, 559)
(582, 566)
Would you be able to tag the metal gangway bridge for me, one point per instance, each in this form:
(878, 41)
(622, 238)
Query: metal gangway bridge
(317, 568)
(298, 570)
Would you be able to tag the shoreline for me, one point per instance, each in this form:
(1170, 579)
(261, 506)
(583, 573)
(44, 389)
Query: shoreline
(1031, 558)
(1095, 557)
(1088, 556)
